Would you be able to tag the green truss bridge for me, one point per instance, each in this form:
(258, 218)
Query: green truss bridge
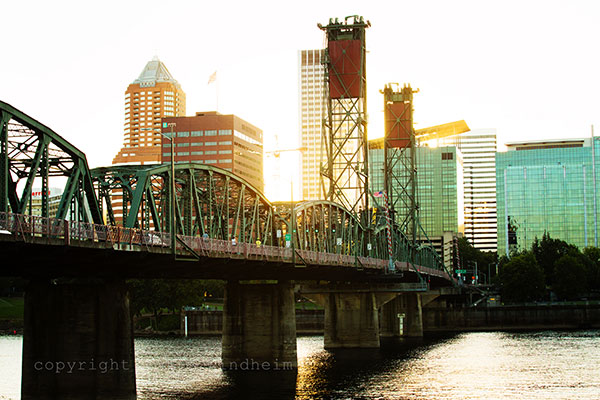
(114, 223)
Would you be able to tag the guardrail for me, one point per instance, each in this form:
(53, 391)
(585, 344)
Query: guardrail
(71, 232)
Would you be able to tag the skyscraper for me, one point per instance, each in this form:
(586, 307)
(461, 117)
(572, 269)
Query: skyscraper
(478, 148)
(311, 101)
(153, 95)
(225, 141)
(547, 186)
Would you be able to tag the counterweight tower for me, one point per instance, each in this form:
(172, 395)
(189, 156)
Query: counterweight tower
(399, 157)
(344, 170)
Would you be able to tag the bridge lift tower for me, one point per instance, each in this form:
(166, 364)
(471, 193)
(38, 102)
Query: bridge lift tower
(344, 171)
(400, 143)
(399, 158)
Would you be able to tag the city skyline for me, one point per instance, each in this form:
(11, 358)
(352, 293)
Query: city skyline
(487, 64)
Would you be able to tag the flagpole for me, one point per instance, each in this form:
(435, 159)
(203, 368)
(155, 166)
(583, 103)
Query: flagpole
(212, 79)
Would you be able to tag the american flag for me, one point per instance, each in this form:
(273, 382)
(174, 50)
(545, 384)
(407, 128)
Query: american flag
(378, 194)
(212, 78)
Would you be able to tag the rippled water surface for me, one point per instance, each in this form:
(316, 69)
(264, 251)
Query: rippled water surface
(491, 365)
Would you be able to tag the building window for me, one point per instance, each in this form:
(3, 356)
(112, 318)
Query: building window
(247, 138)
(210, 143)
(166, 154)
(183, 145)
(225, 161)
(183, 153)
(196, 133)
(224, 132)
(197, 153)
(225, 143)
(210, 133)
(210, 161)
(224, 151)
(447, 156)
(210, 152)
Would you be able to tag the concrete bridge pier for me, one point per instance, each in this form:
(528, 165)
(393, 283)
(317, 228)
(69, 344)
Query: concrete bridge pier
(403, 317)
(351, 320)
(351, 314)
(78, 341)
(259, 327)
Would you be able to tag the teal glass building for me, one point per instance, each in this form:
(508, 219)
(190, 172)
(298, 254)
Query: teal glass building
(440, 193)
(547, 186)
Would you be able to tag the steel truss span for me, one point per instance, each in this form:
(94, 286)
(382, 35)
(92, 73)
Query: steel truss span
(34, 156)
(209, 201)
(217, 214)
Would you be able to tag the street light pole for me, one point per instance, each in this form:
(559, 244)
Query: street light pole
(172, 223)
(292, 218)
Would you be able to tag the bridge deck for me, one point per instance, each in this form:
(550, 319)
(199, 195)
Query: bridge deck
(46, 232)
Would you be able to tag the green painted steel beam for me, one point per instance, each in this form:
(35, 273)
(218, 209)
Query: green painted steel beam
(4, 162)
(45, 136)
(42, 147)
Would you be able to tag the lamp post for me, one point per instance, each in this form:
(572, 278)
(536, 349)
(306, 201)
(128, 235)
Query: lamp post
(292, 218)
(172, 223)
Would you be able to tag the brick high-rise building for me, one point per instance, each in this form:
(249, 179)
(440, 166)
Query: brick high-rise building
(153, 95)
(225, 141)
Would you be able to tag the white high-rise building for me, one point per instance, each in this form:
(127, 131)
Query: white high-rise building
(478, 148)
(311, 113)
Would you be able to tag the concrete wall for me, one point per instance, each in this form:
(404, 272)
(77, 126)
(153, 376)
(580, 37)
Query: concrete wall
(441, 319)
(211, 322)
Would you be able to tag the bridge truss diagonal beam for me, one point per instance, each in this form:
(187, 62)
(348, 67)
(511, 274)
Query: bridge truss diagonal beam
(33, 154)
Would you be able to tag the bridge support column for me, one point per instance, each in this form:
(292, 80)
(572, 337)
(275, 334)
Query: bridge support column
(402, 317)
(259, 327)
(78, 342)
(351, 320)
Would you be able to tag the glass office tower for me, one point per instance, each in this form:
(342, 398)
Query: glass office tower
(547, 186)
(439, 187)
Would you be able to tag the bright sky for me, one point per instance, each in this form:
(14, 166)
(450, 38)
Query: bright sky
(530, 69)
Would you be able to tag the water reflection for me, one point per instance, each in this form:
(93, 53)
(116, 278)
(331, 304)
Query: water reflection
(492, 365)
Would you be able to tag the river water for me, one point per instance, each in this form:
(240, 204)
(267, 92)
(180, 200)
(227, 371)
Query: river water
(490, 365)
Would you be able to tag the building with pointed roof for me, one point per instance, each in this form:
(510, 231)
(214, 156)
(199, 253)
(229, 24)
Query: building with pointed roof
(153, 95)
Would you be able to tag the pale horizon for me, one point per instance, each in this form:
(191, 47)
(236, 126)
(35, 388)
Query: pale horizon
(527, 69)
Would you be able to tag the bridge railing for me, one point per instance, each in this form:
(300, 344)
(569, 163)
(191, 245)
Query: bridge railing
(29, 226)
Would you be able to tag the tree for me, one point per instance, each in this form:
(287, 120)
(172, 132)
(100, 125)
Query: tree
(547, 251)
(521, 279)
(470, 255)
(593, 268)
(157, 295)
(569, 277)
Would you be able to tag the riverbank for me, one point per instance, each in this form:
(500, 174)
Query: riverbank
(511, 317)
(441, 319)
(11, 315)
